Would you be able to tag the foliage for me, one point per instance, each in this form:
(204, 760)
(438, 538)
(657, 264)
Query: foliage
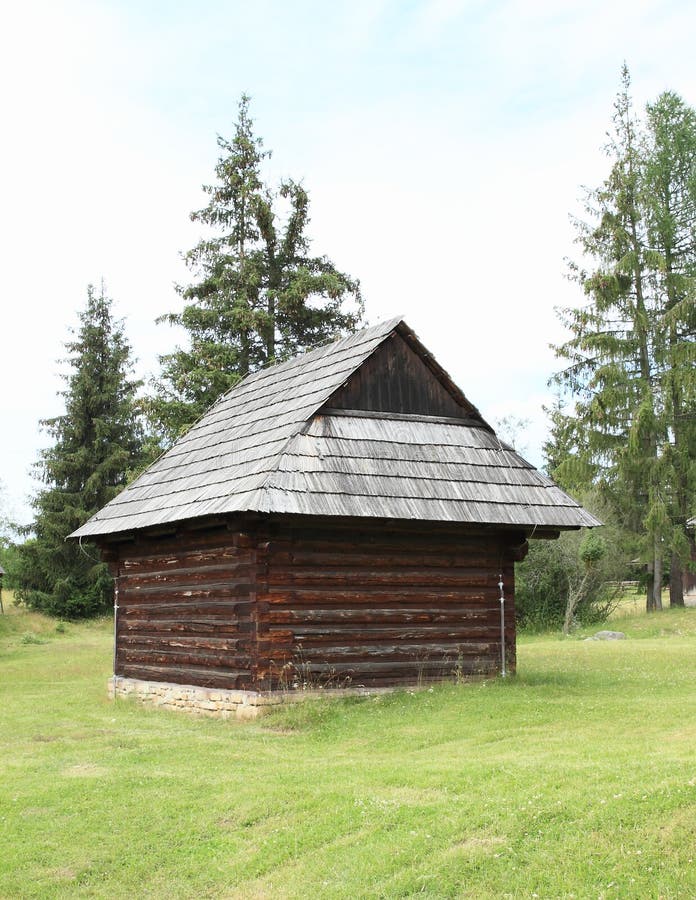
(631, 373)
(95, 442)
(485, 790)
(512, 429)
(574, 580)
(258, 296)
(8, 533)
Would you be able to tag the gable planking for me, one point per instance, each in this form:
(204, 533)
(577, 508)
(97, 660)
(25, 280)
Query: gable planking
(395, 379)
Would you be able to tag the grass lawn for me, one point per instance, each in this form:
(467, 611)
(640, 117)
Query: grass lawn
(577, 779)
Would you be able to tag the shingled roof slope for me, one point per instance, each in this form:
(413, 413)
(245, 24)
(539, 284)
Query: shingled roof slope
(265, 446)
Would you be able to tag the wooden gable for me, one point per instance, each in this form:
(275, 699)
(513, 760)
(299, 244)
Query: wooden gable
(395, 379)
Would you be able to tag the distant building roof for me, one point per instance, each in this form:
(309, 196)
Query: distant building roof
(279, 442)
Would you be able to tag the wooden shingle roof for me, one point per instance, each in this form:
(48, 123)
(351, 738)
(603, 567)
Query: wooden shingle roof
(271, 445)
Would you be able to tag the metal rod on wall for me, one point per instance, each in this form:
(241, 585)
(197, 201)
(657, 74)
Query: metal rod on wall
(503, 670)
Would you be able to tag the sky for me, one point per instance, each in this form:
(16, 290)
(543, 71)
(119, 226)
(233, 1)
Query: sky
(444, 144)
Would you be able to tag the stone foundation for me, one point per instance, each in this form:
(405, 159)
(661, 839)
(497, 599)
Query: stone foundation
(217, 702)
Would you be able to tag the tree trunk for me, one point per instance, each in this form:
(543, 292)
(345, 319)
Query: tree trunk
(657, 584)
(575, 595)
(570, 612)
(649, 588)
(676, 584)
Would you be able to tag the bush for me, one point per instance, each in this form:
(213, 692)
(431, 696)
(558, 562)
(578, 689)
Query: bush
(74, 587)
(553, 569)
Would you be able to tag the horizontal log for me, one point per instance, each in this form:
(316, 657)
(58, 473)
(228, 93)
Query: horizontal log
(176, 560)
(392, 667)
(408, 558)
(179, 592)
(365, 615)
(424, 545)
(201, 659)
(192, 574)
(327, 578)
(194, 627)
(375, 596)
(435, 634)
(381, 651)
(231, 679)
(185, 609)
(144, 546)
(145, 641)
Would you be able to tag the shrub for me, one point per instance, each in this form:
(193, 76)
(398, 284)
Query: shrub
(589, 566)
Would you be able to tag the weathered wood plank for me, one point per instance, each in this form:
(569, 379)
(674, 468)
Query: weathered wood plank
(157, 641)
(437, 634)
(369, 671)
(381, 559)
(365, 615)
(214, 609)
(374, 596)
(145, 547)
(191, 628)
(211, 593)
(202, 659)
(383, 650)
(224, 573)
(328, 578)
(230, 679)
(177, 561)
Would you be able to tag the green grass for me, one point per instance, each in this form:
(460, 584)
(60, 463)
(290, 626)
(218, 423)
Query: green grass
(576, 778)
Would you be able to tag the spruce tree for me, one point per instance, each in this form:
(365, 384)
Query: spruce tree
(258, 295)
(630, 354)
(96, 442)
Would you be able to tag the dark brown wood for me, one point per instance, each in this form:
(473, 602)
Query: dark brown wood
(395, 379)
(342, 603)
(184, 607)
(285, 602)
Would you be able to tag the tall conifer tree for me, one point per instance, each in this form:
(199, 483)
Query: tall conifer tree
(258, 295)
(96, 441)
(630, 345)
(670, 199)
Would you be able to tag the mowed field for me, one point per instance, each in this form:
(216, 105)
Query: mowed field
(577, 778)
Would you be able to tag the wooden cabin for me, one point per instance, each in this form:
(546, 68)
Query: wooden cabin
(342, 519)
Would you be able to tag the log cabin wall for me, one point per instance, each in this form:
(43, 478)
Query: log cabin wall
(185, 608)
(291, 603)
(368, 605)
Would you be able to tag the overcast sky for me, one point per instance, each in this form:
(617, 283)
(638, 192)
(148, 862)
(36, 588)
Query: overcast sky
(444, 145)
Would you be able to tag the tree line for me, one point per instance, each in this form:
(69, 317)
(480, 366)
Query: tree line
(623, 427)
